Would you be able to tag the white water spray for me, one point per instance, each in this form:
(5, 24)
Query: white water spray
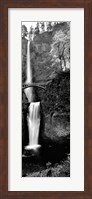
(33, 117)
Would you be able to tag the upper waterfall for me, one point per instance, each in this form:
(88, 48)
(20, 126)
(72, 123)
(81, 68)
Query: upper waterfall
(28, 91)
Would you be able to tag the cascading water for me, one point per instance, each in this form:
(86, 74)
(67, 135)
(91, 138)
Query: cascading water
(33, 117)
(28, 91)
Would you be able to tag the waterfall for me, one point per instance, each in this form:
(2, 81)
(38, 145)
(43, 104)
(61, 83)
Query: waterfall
(33, 116)
(28, 91)
(33, 124)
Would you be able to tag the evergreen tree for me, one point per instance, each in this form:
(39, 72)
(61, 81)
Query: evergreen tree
(49, 26)
(37, 30)
(24, 31)
(42, 26)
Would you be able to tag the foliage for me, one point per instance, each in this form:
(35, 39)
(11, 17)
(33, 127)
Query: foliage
(24, 31)
(60, 48)
(36, 30)
(31, 30)
(49, 26)
(56, 97)
(42, 26)
(54, 24)
(61, 169)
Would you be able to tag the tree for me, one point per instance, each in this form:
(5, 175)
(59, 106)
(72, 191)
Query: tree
(49, 26)
(54, 24)
(24, 31)
(42, 26)
(31, 30)
(36, 31)
(60, 48)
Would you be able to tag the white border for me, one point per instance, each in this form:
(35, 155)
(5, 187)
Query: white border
(76, 181)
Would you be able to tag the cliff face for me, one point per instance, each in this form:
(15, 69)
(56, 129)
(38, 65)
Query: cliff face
(55, 102)
(42, 60)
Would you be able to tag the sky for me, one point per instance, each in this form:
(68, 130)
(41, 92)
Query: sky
(28, 24)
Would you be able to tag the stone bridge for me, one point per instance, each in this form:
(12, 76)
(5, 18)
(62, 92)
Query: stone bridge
(42, 86)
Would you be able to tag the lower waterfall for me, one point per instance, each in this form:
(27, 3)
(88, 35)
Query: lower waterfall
(33, 119)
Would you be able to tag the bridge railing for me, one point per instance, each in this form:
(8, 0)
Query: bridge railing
(24, 86)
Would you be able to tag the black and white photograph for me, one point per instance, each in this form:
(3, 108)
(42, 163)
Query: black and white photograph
(45, 135)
